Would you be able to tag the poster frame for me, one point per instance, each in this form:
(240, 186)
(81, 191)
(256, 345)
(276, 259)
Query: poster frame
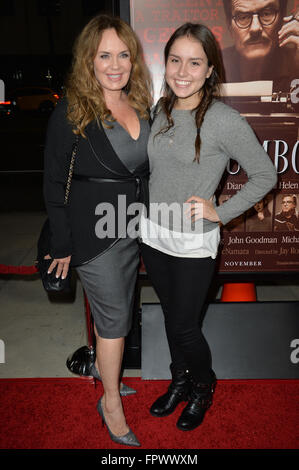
(122, 9)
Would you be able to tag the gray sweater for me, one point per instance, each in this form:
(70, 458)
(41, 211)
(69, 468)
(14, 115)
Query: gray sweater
(225, 134)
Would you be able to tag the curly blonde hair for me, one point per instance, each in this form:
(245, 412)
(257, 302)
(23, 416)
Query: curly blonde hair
(84, 93)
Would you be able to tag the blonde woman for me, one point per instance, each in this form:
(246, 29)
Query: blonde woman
(106, 103)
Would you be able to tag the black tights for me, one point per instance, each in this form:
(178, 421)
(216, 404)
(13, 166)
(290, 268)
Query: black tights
(182, 285)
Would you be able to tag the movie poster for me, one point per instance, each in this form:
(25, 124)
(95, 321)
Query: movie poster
(266, 237)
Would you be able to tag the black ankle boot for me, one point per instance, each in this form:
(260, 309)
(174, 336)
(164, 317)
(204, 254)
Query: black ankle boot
(200, 400)
(178, 391)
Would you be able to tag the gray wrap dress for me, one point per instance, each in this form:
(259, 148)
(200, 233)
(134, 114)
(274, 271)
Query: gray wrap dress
(109, 279)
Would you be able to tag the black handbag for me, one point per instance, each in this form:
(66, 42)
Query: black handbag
(81, 361)
(50, 282)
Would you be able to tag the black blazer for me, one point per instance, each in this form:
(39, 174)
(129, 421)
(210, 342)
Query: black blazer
(73, 226)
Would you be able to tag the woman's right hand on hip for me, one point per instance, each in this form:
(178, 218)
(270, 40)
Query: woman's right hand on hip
(62, 265)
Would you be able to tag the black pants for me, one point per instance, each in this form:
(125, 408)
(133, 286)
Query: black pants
(182, 285)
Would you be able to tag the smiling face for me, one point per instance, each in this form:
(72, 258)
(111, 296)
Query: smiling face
(288, 205)
(187, 70)
(256, 41)
(112, 64)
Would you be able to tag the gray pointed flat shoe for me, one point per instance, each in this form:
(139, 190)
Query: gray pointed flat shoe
(128, 439)
(124, 391)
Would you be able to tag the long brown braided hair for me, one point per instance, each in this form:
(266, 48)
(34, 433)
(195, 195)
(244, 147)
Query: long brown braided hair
(211, 87)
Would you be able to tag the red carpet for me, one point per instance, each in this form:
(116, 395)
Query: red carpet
(61, 414)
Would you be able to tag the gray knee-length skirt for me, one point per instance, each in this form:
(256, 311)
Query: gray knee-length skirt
(109, 281)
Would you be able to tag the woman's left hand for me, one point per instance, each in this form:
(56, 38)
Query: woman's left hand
(201, 209)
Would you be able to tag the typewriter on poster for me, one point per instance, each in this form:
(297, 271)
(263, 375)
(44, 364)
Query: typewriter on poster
(258, 98)
(271, 114)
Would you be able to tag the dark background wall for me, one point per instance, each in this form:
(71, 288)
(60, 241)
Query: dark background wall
(36, 40)
(36, 37)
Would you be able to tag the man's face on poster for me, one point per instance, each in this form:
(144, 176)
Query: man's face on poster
(254, 27)
(288, 205)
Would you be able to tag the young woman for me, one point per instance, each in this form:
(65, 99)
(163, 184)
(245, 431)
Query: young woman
(192, 138)
(107, 98)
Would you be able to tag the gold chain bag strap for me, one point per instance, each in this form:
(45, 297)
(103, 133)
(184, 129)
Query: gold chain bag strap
(71, 170)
